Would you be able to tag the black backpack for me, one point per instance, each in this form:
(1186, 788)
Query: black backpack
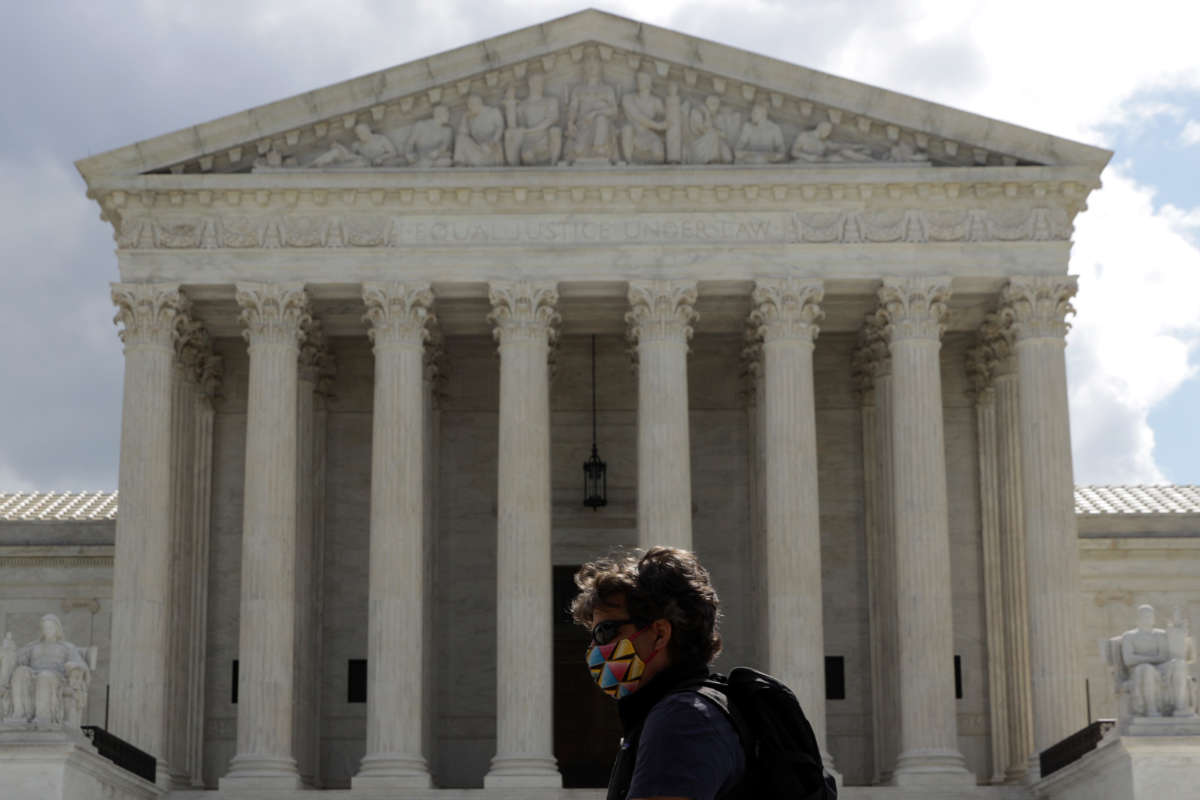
(783, 759)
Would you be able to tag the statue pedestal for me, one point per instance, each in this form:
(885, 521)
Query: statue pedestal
(62, 765)
(1130, 767)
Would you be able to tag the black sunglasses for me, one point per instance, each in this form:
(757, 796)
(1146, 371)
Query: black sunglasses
(604, 632)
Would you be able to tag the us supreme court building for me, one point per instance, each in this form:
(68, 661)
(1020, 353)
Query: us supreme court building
(823, 325)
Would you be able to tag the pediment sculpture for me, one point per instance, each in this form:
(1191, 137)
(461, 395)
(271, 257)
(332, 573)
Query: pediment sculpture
(597, 112)
(45, 683)
(1152, 667)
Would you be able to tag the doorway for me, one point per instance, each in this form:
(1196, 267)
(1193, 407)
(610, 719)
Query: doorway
(587, 731)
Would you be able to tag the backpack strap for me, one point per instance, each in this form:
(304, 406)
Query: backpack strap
(713, 691)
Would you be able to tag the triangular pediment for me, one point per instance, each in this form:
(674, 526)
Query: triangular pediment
(696, 105)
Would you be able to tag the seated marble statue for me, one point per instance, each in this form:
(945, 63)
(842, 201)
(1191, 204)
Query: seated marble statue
(369, 150)
(760, 140)
(431, 143)
(534, 135)
(480, 140)
(591, 116)
(49, 678)
(706, 142)
(1151, 667)
(645, 124)
(815, 145)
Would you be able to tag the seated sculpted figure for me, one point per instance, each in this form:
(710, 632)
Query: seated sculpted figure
(50, 680)
(431, 143)
(760, 141)
(591, 116)
(646, 122)
(706, 142)
(480, 140)
(369, 149)
(1152, 667)
(533, 135)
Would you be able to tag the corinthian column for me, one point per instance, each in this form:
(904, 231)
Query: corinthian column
(398, 314)
(786, 312)
(142, 564)
(660, 323)
(1012, 552)
(914, 310)
(980, 363)
(524, 318)
(874, 369)
(275, 316)
(1039, 307)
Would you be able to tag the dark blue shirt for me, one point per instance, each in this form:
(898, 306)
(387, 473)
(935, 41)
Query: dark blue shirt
(688, 748)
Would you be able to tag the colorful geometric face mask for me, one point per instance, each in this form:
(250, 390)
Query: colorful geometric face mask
(616, 667)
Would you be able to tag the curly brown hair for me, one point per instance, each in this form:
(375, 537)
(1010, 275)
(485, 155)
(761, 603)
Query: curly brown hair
(663, 583)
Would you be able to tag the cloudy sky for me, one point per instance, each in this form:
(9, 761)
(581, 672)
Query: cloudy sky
(85, 77)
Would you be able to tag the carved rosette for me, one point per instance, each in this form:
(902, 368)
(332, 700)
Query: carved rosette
(1040, 305)
(914, 308)
(148, 313)
(524, 311)
(661, 310)
(273, 313)
(399, 313)
(787, 308)
(872, 359)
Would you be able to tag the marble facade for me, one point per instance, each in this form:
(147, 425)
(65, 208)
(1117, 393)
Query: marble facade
(846, 311)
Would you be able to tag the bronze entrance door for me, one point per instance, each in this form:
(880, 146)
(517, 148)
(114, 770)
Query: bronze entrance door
(587, 731)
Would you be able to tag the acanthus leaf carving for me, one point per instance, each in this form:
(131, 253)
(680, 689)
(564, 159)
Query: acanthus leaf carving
(147, 313)
(273, 313)
(914, 308)
(399, 313)
(1040, 305)
(661, 310)
(524, 310)
(787, 308)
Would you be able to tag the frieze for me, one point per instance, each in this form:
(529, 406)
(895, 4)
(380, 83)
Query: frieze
(879, 226)
(591, 105)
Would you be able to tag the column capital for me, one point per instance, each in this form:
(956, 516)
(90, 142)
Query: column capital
(992, 356)
(524, 310)
(192, 345)
(209, 374)
(787, 308)
(314, 359)
(752, 370)
(273, 313)
(148, 312)
(661, 310)
(914, 308)
(872, 359)
(1040, 304)
(399, 312)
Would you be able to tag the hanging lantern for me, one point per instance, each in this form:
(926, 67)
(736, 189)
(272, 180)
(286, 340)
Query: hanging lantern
(595, 477)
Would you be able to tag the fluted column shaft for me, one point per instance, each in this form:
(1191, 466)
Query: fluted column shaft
(1015, 588)
(914, 310)
(142, 563)
(1039, 306)
(876, 381)
(660, 323)
(524, 316)
(274, 315)
(398, 313)
(786, 312)
(209, 371)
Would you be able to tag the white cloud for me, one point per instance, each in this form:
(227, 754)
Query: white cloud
(1190, 134)
(1138, 324)
(1071, 68)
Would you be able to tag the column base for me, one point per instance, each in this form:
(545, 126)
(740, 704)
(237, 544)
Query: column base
(392, 770)
(252, 772)
(523, 773)
(932, 768)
